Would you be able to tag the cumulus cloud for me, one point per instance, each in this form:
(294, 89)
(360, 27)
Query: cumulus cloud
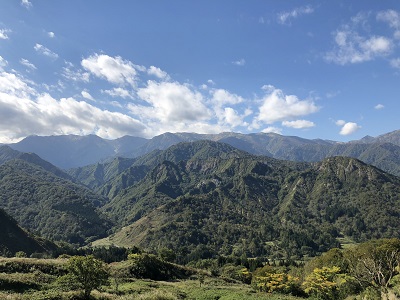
(298, 124)
(51, 34)
(157, 72)
(118, 92)
(227, 116)
(114, 69)
(286, 17)
(277, 106)
(26, 3)
(4, 34)
(45, 51)
(24, 111)
(221, 97)
(230, 118)
(379, 106)
(27, 64)
(172, 102)
(85, 94)
(14, 85)
(349, 128)
(241, 62)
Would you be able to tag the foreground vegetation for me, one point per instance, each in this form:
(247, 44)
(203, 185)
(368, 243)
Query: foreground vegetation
(366, 271)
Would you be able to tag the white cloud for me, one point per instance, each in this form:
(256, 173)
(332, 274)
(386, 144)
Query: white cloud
(392, 18)
(280, 107)
(3, 63)
(51, 34)
(27, 64)
(352, 48)
(172, 102)
(45, 51)
(340, 122)
(272, 129)
(26, 3)
(113, 69)
(118, 92)
(298, 124)
(85, 94)
(157, 72)
(379, 106)
(14, 85)
(230, 118)
(25, 112)
(3, 34)
(71, 73)
(241, 62)
(349, 128)
(351, 45)
(221, 97)
(211, 82)
(286, 17)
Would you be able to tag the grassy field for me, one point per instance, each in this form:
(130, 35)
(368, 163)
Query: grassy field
(155, 290)
(36, 279)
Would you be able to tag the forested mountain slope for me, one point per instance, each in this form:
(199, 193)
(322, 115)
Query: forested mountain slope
(49, 205)
(206, 201)
(13, 238)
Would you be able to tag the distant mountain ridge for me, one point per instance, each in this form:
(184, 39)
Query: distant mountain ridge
(77, 151)
(69, 151)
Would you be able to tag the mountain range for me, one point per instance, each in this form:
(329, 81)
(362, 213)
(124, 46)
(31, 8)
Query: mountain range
(209, 197)
(71, 151)
(205, 197)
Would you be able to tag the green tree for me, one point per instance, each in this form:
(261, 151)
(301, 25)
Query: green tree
(167, 254)
(87, 273)
(375, 262)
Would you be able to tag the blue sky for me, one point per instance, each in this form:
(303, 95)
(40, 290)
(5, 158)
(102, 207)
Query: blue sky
(315, 69)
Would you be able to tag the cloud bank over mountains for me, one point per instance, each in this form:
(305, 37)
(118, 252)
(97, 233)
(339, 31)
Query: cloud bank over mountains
(155, 103)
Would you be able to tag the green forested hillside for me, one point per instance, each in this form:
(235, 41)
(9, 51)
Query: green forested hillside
(242, 204)
(206, 198)
(48, 205)
(13, 238)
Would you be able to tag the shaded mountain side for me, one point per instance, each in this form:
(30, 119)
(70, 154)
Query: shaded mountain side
(7, 154)
(96, 175)
(13, 238)
(50, 206)
(70, 151)
(277, 207)
(390, 137)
